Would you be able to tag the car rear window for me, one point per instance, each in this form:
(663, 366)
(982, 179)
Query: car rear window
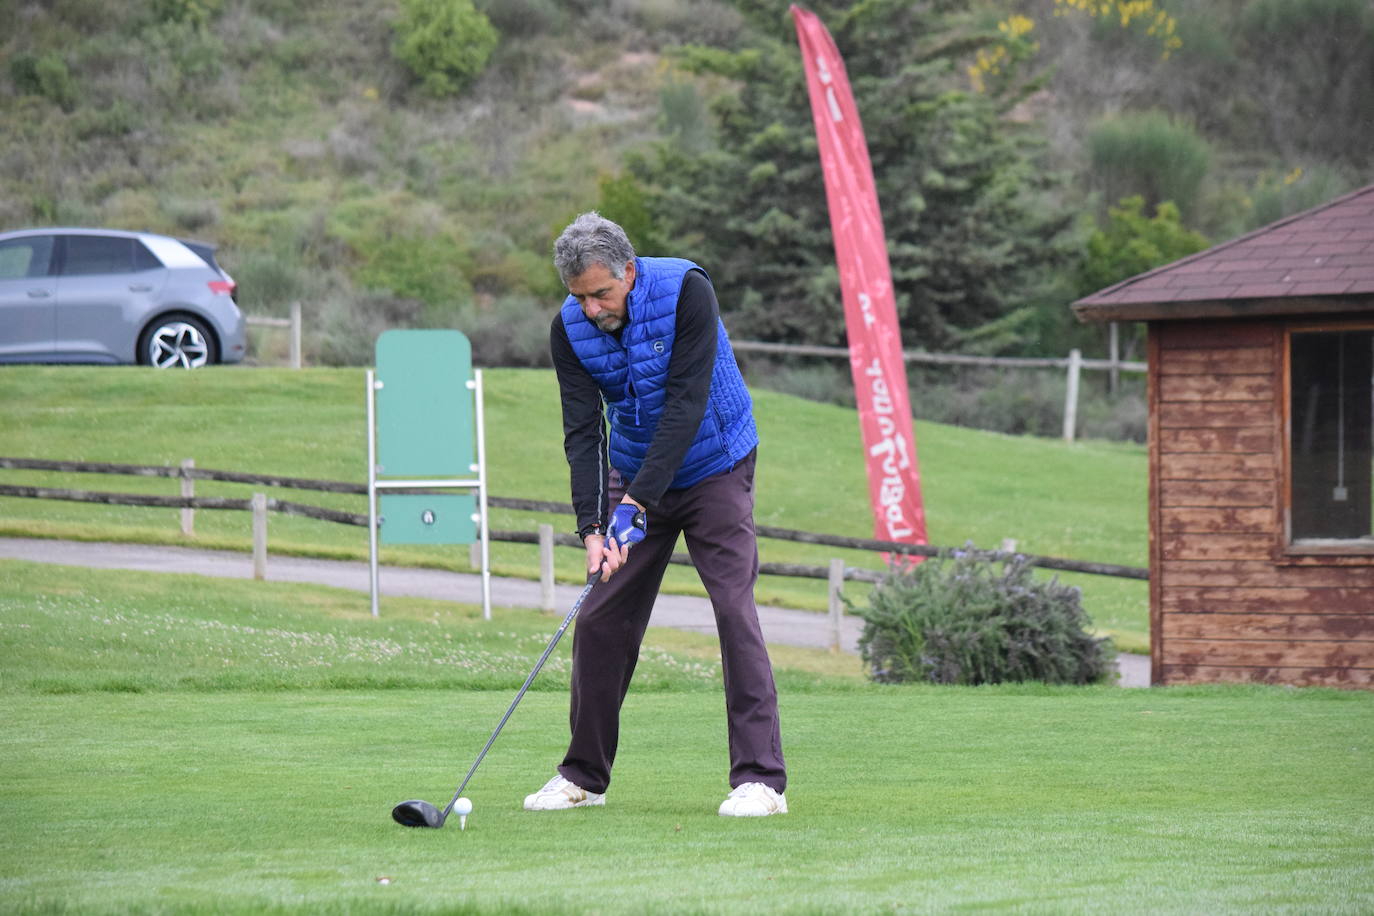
(98, 254)
(26, 257)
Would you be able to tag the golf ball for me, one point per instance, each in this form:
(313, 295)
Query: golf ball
(462, 807)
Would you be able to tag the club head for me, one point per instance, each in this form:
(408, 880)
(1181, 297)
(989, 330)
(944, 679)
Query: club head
(416, 813)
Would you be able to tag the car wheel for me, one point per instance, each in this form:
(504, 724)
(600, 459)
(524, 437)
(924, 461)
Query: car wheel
(177, 341)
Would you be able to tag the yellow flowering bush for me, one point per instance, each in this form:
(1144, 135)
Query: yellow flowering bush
(1159, 24)
(998, 60)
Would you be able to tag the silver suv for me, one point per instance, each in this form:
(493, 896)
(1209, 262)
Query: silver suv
(107, 296)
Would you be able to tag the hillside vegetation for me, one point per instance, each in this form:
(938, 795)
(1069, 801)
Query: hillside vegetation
(338, 165)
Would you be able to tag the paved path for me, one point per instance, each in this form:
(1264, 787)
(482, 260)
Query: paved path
(780, 625)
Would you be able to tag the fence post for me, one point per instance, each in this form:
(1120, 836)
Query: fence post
(188, 491)
(1071, 395)
(1114, 348)
(546, 598)
(259, 535)
(836, 605)
(295, 335)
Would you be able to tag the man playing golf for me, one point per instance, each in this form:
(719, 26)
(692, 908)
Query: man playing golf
(639, 342)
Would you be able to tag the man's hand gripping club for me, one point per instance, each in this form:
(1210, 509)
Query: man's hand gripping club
(629, 523)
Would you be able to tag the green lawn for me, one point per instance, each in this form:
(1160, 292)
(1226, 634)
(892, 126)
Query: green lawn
(1085, 501)
(172, 747)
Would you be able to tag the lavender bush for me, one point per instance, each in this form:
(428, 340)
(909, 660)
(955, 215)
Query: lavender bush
(969, 619)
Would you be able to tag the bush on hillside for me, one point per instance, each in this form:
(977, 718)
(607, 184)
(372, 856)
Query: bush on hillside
(526, 17)
(965, 620)
(45, 75)
(350, 326)
(446, 43)
(1151, 154)
(512, 330)
(196, 12)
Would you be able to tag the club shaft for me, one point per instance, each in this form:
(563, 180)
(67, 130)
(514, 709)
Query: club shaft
(548, 650)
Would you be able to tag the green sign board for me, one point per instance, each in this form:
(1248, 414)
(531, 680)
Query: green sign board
(425, 422)
(441, 518)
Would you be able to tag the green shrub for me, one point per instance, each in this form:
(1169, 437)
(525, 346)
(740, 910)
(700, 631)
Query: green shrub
(445, 43)
(1276, 197)
(349, 325)
(1132, 243)
(512, 330)
(194, 12)
(622, 199)
(1150, 154)
(45, 75)
(682, 116)
(525, 17)
(405, 247)
(185, 70)
(117, 119)
(825, 381)
(963, 619)
(270, 279)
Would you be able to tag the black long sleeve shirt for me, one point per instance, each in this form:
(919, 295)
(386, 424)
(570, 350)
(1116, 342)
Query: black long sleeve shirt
(687, 390)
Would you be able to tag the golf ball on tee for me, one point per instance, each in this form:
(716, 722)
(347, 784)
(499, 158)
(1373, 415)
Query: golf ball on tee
(462, 807)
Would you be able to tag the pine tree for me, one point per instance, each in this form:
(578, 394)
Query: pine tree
(964, 204)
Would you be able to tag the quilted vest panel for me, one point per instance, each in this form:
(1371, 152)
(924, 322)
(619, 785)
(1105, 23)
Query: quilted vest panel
(632, 372)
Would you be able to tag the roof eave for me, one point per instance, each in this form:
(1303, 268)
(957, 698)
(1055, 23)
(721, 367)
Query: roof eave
(1221, 308)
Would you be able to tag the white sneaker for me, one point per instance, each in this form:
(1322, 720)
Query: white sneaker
(559, 794)
(753, 799)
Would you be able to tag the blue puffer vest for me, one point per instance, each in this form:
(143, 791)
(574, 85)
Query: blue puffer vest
(633, 372)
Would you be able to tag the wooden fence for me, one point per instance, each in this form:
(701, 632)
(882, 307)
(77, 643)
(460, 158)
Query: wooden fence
(188, 472)
(260, 504)
(1073, 364)
(292, 324)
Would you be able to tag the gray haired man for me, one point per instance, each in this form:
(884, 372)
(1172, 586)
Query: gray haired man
(638, 345)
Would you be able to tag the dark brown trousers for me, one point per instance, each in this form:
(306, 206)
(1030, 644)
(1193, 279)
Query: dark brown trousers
(716, 517)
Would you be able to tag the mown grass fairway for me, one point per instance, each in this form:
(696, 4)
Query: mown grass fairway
(1085, 501)
(150, 767)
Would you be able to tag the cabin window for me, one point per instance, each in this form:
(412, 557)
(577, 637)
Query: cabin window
(1331, 438)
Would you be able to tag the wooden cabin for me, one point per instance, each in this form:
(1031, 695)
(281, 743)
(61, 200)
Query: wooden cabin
(1261, 404)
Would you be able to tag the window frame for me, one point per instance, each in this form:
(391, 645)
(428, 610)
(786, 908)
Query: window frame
(1310, 547)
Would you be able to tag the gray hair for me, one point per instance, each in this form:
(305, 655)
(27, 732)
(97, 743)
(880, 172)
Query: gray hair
(592, 239)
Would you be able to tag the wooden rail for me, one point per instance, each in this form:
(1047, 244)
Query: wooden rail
(523, 505)
(941, 359)
(1073, 365)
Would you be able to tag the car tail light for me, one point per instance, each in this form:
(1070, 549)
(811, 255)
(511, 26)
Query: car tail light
(224, 288)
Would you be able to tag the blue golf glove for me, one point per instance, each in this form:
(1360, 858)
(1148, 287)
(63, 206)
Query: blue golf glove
(628, 525)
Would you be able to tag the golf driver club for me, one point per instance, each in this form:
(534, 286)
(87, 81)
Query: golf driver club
(417, 813)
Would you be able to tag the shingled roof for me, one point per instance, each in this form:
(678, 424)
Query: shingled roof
(1319, 261)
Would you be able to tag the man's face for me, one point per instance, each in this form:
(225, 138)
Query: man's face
(602, 296)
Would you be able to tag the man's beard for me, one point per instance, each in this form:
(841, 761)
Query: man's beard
(608, 322)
